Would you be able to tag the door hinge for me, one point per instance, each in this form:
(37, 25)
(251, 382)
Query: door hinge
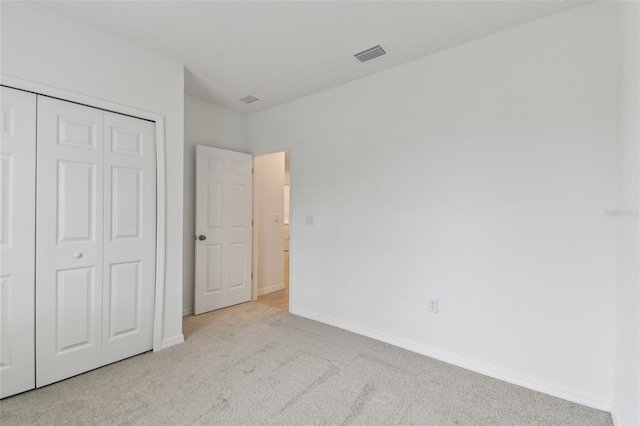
(252, 275)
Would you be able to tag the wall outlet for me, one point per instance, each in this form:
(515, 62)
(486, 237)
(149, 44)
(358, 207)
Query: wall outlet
(433, 305)
(309, 220)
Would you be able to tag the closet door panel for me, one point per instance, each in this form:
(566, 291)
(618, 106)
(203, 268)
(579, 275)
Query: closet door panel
(69, 237)
(130, 236)
(17, 240)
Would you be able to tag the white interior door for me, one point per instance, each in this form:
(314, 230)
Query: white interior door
(129, 237)
(223, 228)
(17, 240)
(69, 243)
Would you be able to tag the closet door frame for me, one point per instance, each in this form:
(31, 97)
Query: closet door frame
(41, 89)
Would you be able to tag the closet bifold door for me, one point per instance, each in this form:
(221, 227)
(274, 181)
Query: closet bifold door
(96, 238)
(17, 240)
(69, 245)
(129, 237)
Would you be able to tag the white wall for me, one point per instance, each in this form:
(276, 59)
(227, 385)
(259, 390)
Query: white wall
(478, 175)
(626, 390)
(47, 48)
(269, 203)
(211, 125)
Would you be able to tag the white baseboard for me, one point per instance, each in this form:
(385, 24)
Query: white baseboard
(187, 311)
(614, 417)
(553, 389)
(270, 289)
(172, 341)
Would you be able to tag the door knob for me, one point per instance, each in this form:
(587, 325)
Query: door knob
(202, 237)
(77, 255)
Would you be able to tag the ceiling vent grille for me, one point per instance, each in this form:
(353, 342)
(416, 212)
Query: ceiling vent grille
(249, 99)
(367, 55)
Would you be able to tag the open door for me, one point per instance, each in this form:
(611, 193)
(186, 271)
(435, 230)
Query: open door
(223, 228)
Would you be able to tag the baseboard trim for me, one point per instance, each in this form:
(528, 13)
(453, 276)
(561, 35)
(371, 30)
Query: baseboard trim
(172, 341)
(614, 417)
(549, 388)
(270, 289)
(187, 311)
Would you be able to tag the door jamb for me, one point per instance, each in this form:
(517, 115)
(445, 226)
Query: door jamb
(66, 95)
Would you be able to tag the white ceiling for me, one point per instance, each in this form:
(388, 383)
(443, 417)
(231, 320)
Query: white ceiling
(280, 51)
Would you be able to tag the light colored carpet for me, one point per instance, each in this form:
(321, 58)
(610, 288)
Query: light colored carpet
(253, 364)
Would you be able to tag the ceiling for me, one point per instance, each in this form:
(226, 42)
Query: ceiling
(280, 51)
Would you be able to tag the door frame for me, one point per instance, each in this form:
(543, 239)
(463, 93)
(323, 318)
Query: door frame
(254, 281)
(66, 95)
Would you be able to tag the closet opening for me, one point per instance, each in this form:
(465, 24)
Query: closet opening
(83, 229)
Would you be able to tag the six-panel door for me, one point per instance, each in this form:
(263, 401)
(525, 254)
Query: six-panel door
(129, 237)
(69, 240)
(224, 183)
(17, 239)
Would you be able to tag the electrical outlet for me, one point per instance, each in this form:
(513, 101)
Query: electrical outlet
(433, 305)
(309, 220)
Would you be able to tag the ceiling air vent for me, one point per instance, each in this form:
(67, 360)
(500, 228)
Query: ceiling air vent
(369, 54)
(249, 99)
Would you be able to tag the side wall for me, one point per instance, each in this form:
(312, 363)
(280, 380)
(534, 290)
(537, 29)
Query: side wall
(626, 390)
(211, 125)
(47, 48)
(478, 175)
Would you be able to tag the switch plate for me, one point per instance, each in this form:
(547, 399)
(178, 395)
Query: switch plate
(309, 220)
(433, 305)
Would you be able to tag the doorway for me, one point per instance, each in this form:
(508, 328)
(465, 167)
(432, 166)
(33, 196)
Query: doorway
(272, 229)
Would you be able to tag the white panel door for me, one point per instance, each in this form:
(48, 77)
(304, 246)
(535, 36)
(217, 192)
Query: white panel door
(17, 240)
(129, 237)
(223, 228)
(69, 246)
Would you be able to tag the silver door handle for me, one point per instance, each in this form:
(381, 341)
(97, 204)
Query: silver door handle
(202, 237)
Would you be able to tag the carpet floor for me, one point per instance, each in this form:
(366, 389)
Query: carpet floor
(254, 364)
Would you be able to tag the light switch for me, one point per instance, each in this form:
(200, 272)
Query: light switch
(309, 220)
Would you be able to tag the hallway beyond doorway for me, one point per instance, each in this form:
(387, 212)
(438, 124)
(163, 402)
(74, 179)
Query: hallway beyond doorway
(279, 299)
(272, 233)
